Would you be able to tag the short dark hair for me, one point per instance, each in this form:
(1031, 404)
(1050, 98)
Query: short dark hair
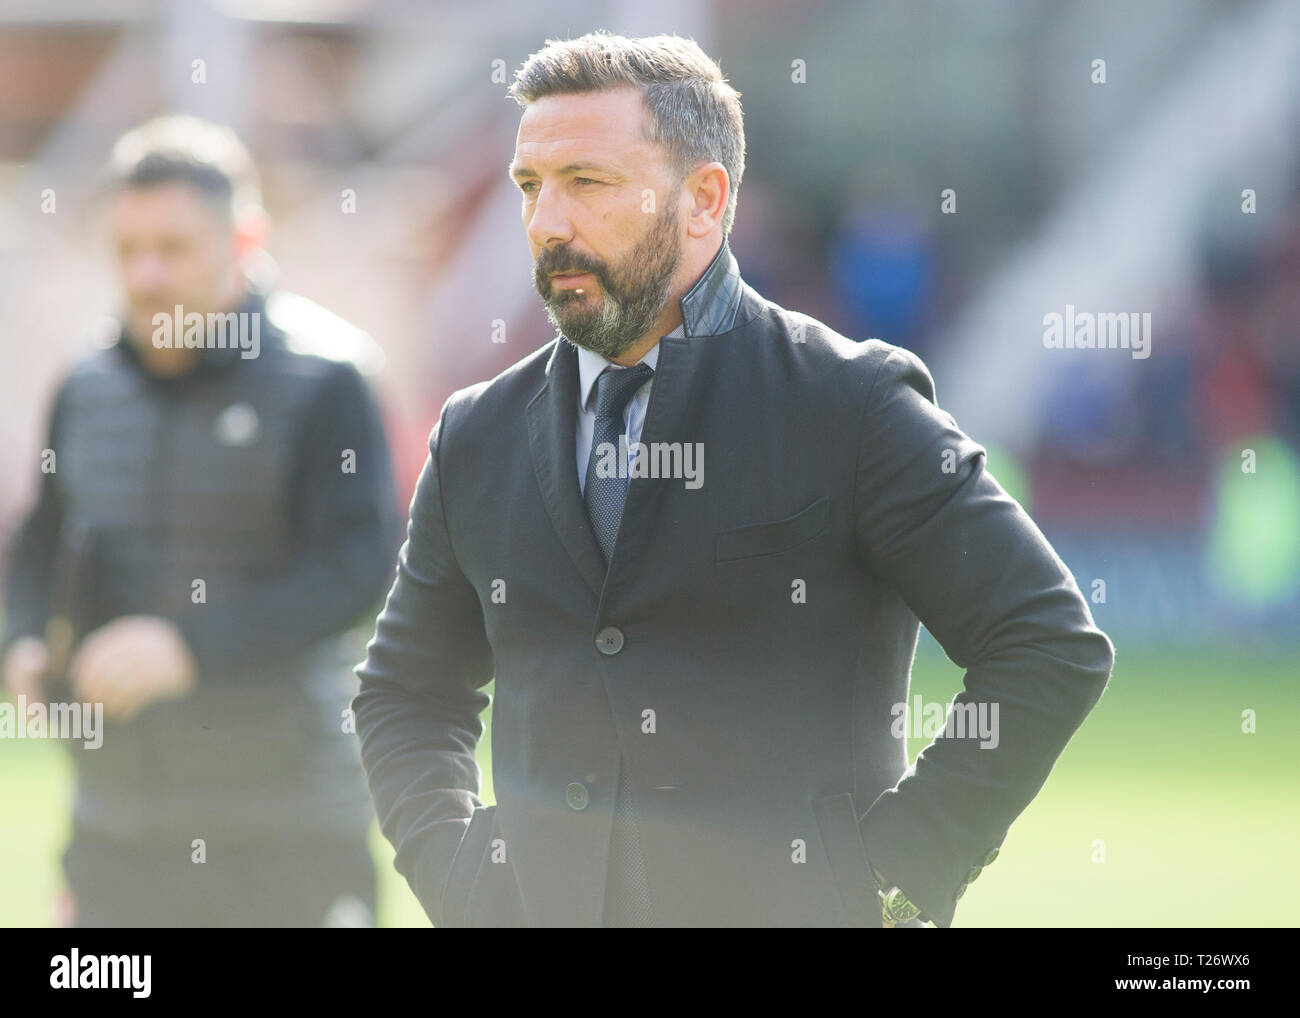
(694, 113)
(208, 157)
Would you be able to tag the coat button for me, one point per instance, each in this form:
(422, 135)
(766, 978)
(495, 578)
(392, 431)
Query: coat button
(972, 873)
(609, 640)
(960, 891)
(575, 794)
(993, 854)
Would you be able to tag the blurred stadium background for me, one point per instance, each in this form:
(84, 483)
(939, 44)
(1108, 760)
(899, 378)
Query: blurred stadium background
(1122, 196)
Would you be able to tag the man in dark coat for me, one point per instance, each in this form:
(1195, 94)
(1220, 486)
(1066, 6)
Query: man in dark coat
(216, 511)
(691, 539)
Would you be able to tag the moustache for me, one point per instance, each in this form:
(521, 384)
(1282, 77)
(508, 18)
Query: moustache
(545, 270)
(152, 302)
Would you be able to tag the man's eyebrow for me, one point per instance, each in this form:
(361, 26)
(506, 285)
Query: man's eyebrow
(528, 171)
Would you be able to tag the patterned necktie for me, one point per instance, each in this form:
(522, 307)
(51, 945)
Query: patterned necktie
(605, 495)
(627, 891)
(627, 894)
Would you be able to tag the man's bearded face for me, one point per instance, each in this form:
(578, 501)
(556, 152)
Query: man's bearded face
(611, 315)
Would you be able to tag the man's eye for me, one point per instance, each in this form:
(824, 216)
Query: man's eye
(529, 186)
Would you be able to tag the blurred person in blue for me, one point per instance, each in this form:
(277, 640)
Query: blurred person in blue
(217, 513)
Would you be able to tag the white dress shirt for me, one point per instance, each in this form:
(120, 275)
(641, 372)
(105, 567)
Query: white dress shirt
(590, 365)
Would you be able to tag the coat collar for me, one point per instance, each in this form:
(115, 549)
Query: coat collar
(710, 306)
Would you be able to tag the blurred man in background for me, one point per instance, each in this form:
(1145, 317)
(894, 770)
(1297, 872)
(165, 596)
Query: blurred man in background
(216, 510)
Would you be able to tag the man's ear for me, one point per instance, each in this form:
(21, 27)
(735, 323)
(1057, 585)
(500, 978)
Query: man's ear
(709, 187)
(250, 232)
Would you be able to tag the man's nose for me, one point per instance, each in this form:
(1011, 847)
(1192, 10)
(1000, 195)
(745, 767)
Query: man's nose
(145, 273)
(549, 224)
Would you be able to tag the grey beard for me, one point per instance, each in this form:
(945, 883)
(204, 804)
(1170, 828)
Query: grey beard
(629, 306)
(617, 325)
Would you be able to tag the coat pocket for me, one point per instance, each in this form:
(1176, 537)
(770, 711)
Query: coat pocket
(494, 899)
(474, 845)
(837, 822)
(771, 538)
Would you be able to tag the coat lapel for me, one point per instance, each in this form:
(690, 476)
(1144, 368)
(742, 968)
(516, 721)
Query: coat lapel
(687, 367)
(552, 436)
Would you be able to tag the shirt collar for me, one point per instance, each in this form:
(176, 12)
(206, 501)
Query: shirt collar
(590, 365)
(708, 308)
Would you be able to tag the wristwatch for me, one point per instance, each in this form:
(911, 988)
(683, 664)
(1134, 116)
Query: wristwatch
(895, 907)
